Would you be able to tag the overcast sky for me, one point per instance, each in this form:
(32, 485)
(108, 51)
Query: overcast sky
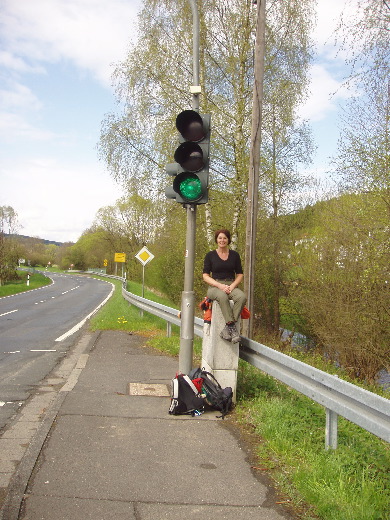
(56, 62)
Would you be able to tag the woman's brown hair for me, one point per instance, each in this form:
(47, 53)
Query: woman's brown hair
(225, 232)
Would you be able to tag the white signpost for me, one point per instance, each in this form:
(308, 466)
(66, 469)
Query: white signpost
(144, 256)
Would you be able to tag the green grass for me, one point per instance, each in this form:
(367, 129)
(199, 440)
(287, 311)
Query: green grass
(118, 314)
(17, 286)
(349, 483)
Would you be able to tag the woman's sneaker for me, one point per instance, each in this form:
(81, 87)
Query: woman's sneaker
(235, 337)
(225, 333)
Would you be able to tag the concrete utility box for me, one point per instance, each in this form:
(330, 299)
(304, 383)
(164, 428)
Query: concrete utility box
(220, 357)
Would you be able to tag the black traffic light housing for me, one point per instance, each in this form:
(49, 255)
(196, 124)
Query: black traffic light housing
(191, 169)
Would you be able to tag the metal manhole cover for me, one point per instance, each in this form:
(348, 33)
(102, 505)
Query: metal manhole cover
(157, 390)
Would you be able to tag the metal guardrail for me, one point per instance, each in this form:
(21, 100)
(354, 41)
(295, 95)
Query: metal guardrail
(170, 315)
(366, 409)
(162, 311)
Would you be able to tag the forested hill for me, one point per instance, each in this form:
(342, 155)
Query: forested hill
(42, 240)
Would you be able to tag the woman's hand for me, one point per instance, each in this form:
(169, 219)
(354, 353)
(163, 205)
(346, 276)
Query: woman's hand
(226, 288)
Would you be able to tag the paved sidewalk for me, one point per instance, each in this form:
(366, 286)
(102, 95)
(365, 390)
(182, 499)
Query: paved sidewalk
(111, 450)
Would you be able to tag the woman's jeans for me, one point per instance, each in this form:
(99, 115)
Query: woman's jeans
(222, 298)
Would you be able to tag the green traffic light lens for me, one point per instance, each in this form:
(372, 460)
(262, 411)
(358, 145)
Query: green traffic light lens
(190, 188)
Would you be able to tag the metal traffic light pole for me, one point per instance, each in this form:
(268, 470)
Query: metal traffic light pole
(188, 295)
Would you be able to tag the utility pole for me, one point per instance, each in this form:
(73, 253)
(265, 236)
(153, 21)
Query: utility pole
(254, 166)
(188, 296)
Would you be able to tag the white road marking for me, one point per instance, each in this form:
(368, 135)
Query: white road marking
(43, 350)
(81, 323)
(9, 312)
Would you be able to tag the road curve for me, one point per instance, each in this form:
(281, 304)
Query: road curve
(37, 328)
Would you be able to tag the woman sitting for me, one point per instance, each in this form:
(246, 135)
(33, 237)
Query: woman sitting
(222, 270)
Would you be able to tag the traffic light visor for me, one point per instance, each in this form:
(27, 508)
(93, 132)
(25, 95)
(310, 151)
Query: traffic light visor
(191, 126)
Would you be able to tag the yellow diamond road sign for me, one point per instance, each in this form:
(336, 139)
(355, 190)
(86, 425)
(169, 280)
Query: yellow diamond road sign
(144, 256)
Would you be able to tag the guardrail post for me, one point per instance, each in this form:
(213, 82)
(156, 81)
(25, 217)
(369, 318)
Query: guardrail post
(331, 429)
(220, 357)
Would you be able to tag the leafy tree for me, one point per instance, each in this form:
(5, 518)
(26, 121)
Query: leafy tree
(286, 146)
(35, 251)
(340, 283)
(363, 159)
(62, 254)
(128, 225)
(9, 250)
(51, 254)
(8, 220)
(351, 274)
(153, 85)
(166, 271)
(75, 258)
(95, 248)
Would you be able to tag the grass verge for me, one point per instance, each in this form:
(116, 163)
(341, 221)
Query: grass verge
(287, 432)
(118, 314)
(350, 483)
(17, 286)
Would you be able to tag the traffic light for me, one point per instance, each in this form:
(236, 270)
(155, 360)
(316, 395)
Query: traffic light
(191, 169)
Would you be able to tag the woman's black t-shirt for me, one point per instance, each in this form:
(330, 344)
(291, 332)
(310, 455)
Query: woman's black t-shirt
(222, 269)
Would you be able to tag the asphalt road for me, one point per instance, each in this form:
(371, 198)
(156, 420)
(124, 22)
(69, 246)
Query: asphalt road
(36, 330)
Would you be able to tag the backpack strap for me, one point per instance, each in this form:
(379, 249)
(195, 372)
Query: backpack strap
(175, 388)
(211, 377)
(225, 410)
(175, 395)
(191, 384)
